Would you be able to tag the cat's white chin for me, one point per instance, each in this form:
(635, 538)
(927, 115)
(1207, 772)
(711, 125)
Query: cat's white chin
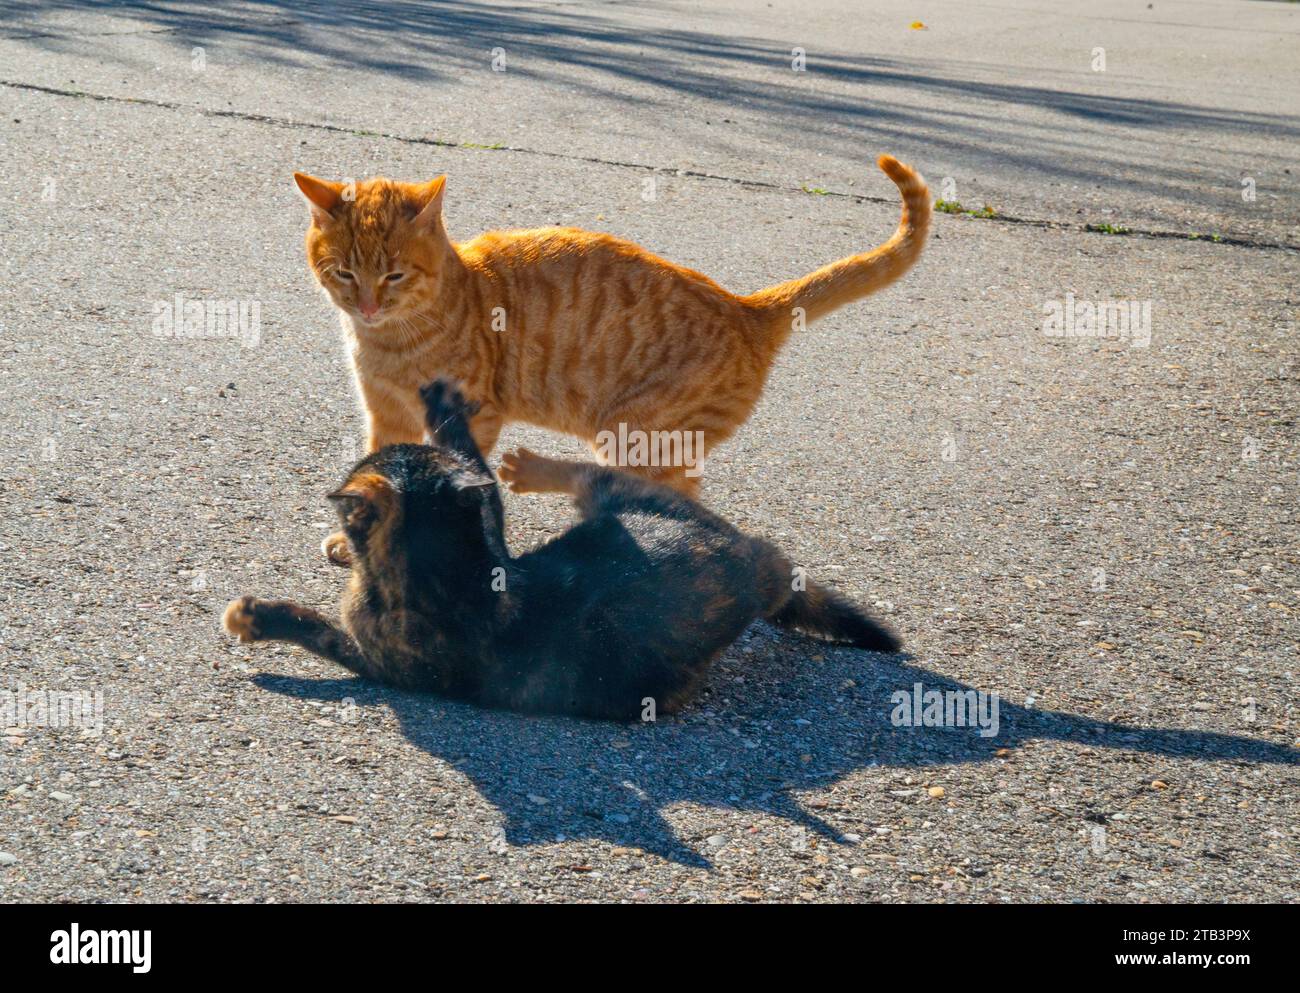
(361, 323)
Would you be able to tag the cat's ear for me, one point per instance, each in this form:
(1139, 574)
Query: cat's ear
(323, 197)
(363, 498)
(347, 504)
(429, 199)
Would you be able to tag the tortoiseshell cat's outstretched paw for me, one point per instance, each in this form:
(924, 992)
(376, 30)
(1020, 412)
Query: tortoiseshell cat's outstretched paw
(337, 550)
(240, 619)
(444, 404)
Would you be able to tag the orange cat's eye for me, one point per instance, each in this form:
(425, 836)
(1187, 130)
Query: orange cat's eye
(394, 277)
(344, 275)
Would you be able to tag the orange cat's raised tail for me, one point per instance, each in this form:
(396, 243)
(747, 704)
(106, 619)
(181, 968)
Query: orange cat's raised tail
(852, 278)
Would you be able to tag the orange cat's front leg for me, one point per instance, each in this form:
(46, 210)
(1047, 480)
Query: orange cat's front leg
(392, 409)
(680, 478)
(391, 426)
(675, 477)
(485, 426)
(525, 471)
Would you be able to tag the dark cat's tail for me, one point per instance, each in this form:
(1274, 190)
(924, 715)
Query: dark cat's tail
(823, 613)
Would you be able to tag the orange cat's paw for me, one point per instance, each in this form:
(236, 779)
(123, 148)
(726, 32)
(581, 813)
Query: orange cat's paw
(240, 619)
(518, 469)
(527, 472)
(337, 550)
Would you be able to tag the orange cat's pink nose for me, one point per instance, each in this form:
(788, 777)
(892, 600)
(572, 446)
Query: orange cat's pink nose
(368, 308)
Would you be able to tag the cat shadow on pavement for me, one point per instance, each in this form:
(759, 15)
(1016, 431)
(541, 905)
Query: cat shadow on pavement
(780, 715)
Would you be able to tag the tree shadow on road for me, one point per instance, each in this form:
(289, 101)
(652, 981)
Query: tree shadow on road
(762, 733)
(948, 109)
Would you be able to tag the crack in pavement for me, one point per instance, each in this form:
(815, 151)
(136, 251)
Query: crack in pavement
(758, 184)
(28, 35)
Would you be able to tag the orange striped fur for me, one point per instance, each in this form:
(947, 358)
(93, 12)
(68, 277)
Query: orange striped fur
(566, 329)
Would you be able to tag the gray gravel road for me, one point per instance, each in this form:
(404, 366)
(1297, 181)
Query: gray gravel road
(1100, 532)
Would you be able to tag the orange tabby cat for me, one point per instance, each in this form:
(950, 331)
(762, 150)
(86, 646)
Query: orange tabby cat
(566, 329)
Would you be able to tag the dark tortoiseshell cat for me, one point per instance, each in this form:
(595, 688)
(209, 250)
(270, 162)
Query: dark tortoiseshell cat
(631, 604)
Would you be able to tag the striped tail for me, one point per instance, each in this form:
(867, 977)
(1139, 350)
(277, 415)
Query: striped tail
(852, 278)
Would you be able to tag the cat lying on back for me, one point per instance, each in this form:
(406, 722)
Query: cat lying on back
(566, 329)
(630, 605)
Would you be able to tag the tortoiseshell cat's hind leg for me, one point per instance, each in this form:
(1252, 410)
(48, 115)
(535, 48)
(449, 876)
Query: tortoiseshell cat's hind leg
(250, 619)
